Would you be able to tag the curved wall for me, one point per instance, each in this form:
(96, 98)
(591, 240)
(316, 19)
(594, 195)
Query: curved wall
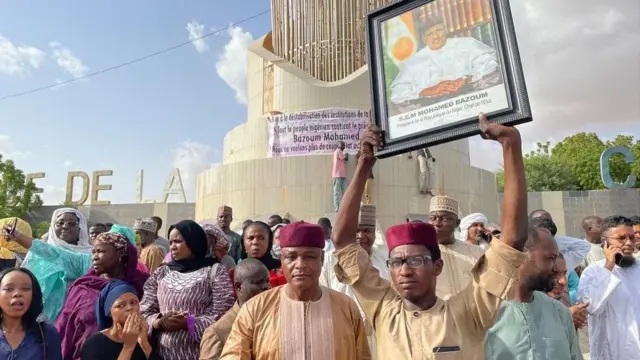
(255, 185)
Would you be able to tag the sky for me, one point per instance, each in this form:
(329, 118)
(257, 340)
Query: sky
(581, 60)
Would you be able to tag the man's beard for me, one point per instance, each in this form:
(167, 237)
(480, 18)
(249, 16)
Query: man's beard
(541, 283)
(627, 261)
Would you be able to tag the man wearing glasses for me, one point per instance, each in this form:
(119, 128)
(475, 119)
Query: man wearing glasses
(459, 256)
(611, 287)
(409, 320)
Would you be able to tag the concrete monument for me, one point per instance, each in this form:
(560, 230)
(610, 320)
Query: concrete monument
(312, 61)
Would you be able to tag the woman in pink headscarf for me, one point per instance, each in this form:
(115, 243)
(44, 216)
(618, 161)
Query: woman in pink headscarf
(114, 258)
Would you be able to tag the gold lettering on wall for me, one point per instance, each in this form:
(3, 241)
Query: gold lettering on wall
(32, 177)
(169, 188)
(96, 187)
(85, 188)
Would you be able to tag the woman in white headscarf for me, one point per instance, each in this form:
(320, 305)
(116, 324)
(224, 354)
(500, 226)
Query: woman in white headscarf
(60, 259)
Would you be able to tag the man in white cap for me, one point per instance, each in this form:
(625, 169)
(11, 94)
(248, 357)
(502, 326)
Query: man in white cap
(473, 230)
(151, 255)
(459, 257)
(365, 236)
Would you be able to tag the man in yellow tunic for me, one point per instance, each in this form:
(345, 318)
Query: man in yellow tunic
(459, 256)
(412, 322)
(300, 320)
(151, 255)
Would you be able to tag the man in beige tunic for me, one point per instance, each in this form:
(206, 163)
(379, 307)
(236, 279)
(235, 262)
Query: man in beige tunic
(366, 239)
(459, 256)
(300, 320)
(412, 322)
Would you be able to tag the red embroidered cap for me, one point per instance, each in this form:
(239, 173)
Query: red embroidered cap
(412, 233)
(302, 234)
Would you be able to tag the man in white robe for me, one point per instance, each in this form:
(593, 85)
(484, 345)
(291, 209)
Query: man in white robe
(611, 287)
(443, 66)
(592, 226)
(473, 231)
(366, 237)
(459, 257)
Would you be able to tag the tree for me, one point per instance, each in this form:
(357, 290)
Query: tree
(581, 154)
(17, 197)
(40, 229)
(574, 164)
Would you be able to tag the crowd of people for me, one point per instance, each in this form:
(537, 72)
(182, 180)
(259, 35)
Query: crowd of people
(294, 291)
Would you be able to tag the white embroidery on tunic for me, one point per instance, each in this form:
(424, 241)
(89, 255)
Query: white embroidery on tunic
(306, 328)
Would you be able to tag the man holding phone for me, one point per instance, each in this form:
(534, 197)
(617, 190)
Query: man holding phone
(612, 288)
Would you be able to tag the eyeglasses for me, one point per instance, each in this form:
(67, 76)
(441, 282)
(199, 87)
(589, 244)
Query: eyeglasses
(70, 224)
(623, 239)
(414, 262)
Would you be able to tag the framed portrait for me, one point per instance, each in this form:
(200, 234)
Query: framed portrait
(436, 64)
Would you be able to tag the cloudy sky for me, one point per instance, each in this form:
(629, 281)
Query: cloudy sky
(581, 61)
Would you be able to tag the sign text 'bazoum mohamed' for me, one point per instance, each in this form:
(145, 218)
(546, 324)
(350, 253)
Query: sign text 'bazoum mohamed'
(173, 186)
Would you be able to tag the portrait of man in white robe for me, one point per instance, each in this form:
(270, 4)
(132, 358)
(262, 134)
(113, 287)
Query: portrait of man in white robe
(445, 67)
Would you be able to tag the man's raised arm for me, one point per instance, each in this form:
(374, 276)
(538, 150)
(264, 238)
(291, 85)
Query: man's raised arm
(346, 223)
(514, 204)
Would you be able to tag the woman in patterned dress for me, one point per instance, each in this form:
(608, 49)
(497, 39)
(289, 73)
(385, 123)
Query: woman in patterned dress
(185, 296)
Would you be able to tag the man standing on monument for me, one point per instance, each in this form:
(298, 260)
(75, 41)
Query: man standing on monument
(412, 322)
(339, 174)
(424, 156)
(225, 217)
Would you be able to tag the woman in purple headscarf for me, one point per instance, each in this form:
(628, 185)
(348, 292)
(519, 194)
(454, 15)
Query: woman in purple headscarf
(114, 258)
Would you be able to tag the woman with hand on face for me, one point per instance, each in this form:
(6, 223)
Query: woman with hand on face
(23, 337)
(114, 258)
(187, 295)
(124, 334)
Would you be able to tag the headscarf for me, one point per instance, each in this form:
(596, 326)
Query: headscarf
(215, 235)
(469, 220)
(196, 240)
(76, 321)
(266, 259)
(276, 249)
(123, 230)
(83, 233)
(108, 296)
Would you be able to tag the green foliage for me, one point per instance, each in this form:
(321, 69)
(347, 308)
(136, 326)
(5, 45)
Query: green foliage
(391, 70)
(17, 197)
(40, 229)
(574, 164)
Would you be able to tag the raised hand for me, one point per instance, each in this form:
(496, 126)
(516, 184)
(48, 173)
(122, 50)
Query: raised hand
(369, 141)
(497, 132)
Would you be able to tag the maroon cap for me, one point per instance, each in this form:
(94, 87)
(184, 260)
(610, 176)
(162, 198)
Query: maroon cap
(413, 233)
(302, 234)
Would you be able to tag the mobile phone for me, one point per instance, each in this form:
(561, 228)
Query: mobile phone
(618, 257)
(13, 227)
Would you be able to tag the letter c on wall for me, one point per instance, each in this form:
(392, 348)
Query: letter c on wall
(605, 172)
